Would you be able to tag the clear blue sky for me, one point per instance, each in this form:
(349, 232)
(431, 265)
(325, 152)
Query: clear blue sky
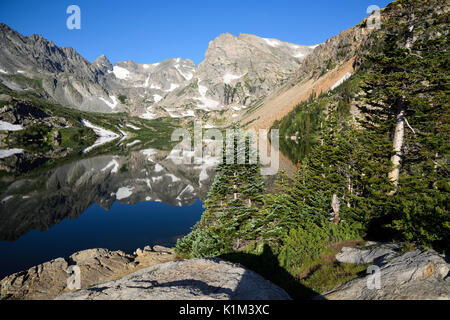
(153, 30)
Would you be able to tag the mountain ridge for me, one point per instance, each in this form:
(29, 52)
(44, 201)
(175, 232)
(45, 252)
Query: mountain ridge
(68, 78)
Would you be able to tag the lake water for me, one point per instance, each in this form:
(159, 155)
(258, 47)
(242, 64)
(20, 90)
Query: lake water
(114, 201)
(118, 202)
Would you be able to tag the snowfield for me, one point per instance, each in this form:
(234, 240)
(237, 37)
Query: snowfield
(189, 189)
(132, 127)
(124, 192)
(206, 104)
(157, 98)
(114, 165)
(148, 116)
(187, 76)
(114, 103)
(341, 81)
(133, 143)
(149, 153)
(9, 152)
(104, 135)
(153, 86)
(121, 73)
(173, 86)
(173, 177)
(272, 42)
(188, 113)
(6, 126)
(228, 77)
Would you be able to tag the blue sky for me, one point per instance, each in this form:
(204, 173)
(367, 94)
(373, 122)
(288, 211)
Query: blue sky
(151, 31)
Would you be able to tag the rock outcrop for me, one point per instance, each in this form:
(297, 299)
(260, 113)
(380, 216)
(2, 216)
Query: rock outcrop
(48, 280)
(149, 273)
(199, 279)
(409, 276)
(370, 253)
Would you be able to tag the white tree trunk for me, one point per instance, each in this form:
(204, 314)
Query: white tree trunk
(335, 204)
(397, 147)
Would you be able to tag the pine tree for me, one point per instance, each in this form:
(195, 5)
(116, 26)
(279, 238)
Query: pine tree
(407, 87)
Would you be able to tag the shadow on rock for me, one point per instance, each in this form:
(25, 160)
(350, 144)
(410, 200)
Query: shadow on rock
(267, 265)
(191, 284)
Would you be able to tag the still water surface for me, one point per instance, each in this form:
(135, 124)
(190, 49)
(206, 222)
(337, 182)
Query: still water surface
(108, 201)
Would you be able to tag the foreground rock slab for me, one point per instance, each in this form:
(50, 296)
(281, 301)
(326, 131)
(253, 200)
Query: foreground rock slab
(199, 279)
(414, 275)
(48, 280)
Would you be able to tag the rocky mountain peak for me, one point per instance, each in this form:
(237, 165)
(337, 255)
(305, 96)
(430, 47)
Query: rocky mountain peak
(103, 64)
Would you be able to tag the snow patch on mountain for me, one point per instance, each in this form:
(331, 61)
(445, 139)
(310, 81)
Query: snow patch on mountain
(114, 103)
(157, 98)
(206, 104)
(104, 136)
(228, 77)
(154, 86)
(173, 177)
(6, 126)
(133, 143)
(187, 76)
(121, 73)
(9, 152)
(189, 189)
(173, 86)
(272, 42)
(132, 127)
(114, 164)
(124, 192)
(188, 113)
(341, 81)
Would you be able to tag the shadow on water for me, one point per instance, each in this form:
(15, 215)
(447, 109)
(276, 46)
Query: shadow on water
(266, 264)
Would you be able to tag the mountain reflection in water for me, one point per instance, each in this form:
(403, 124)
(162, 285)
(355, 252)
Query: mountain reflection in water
(114, 202)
